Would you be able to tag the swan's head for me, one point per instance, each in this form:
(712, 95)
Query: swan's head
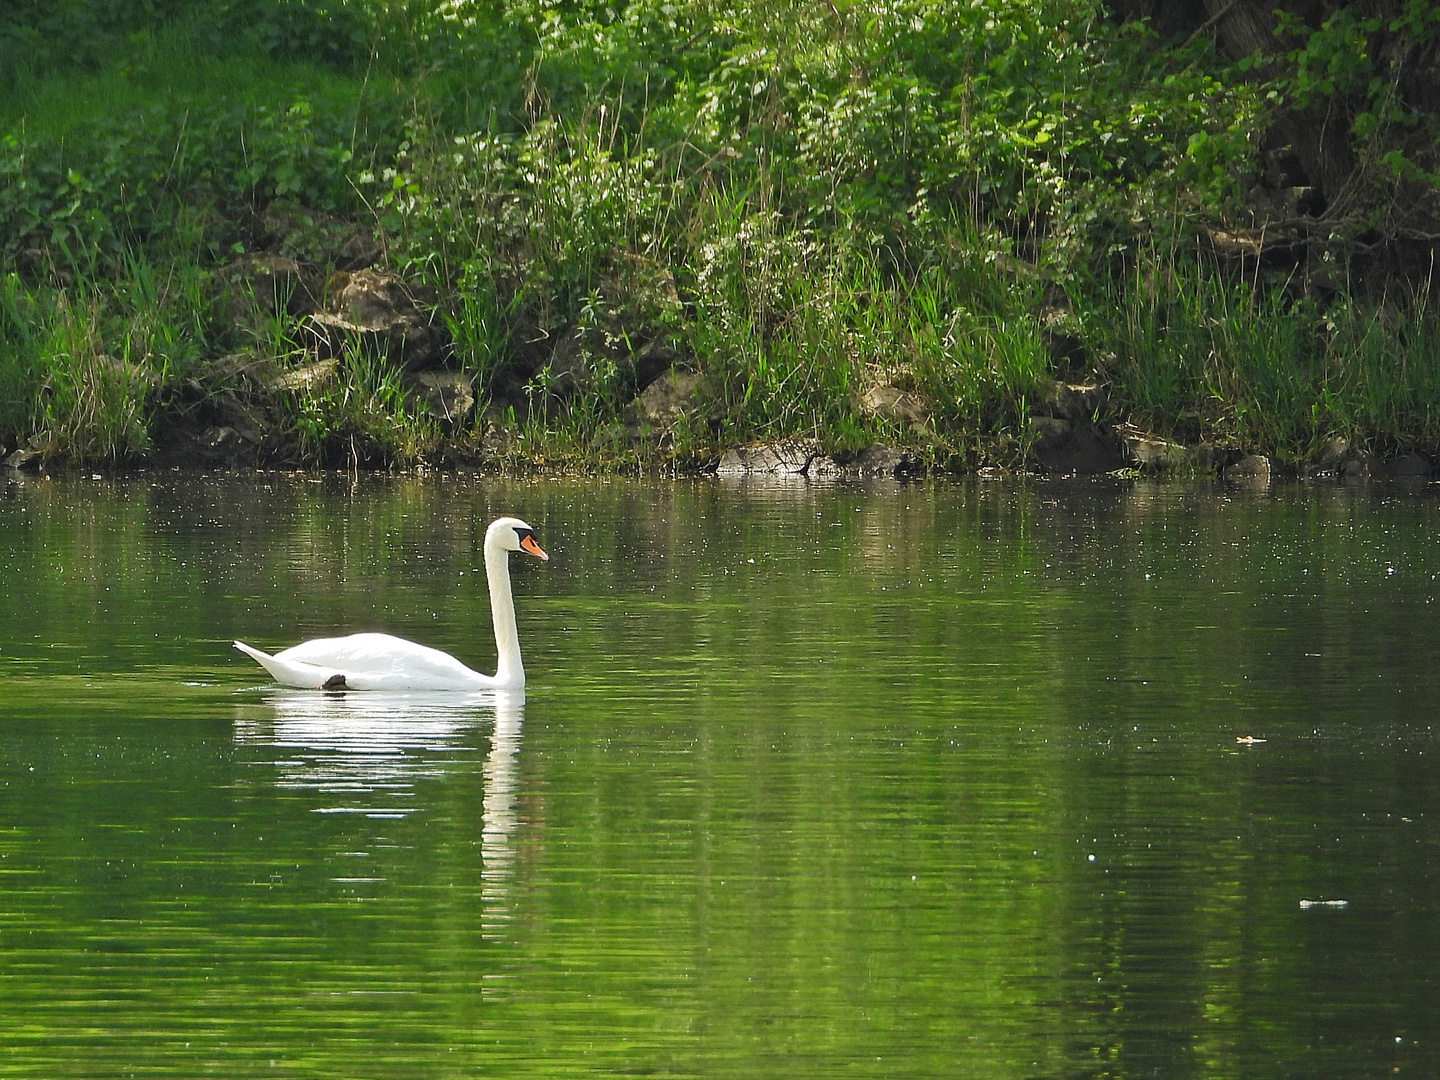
(512, 534)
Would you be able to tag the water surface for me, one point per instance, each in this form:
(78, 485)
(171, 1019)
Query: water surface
(934, 780)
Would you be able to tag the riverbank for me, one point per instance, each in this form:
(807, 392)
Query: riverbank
(344, 363)
(1026, 236)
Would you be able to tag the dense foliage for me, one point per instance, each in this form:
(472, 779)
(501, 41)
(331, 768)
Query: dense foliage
(963, 199)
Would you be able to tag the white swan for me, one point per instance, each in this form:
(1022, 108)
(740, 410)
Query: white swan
(382, 662)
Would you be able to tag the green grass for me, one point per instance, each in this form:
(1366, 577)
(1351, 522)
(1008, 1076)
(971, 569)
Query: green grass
(1197, 352)
(83, 366)
(173, 66)
(364, 418)
(797, 203)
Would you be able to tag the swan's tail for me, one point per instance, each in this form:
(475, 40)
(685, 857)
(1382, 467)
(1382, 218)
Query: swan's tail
(290, 673)
(264, 659)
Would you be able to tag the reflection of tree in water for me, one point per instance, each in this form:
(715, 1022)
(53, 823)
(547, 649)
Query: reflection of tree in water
(385, 743)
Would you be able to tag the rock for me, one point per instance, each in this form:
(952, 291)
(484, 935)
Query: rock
(409, 344)
(1408, 466)
(882, 460)
(1067, 446)
(733, 463)
(782, 459)
(651, 360)
(1356, 465)
(312, 236)
(229, 411)
(1077, 402)
(891, 403)
(219, 438)
(1255, 467)
(25, 458)
(1048, 429)
(876, 460)
(359, 252)
(1154, 453)
(225, 369)
(568, 368)
(256, 289)
(308, 377)
(1332, 456)
(448, 395)
(664, 400)
(380, 314)
(374, 298)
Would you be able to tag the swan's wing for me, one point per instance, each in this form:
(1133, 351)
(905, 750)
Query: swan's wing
(383, 662)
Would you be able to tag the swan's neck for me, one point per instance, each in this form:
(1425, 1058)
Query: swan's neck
(509, 672)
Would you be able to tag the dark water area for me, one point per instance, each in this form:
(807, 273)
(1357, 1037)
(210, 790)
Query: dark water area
(932, 780)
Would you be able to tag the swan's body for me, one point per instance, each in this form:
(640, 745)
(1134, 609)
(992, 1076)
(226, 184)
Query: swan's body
(382, 662)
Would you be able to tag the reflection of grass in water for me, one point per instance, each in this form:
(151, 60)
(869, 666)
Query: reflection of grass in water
(855, 787)
(123, 684)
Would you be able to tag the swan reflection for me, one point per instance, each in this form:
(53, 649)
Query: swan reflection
(361, 743)
(497, 852)
(381, 745)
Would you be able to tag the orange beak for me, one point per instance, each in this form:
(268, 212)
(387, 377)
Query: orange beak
(529, 545)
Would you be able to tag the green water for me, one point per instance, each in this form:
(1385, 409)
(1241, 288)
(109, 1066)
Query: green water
(937, 780)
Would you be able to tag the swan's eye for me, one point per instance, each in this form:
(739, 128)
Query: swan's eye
(529, 544)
